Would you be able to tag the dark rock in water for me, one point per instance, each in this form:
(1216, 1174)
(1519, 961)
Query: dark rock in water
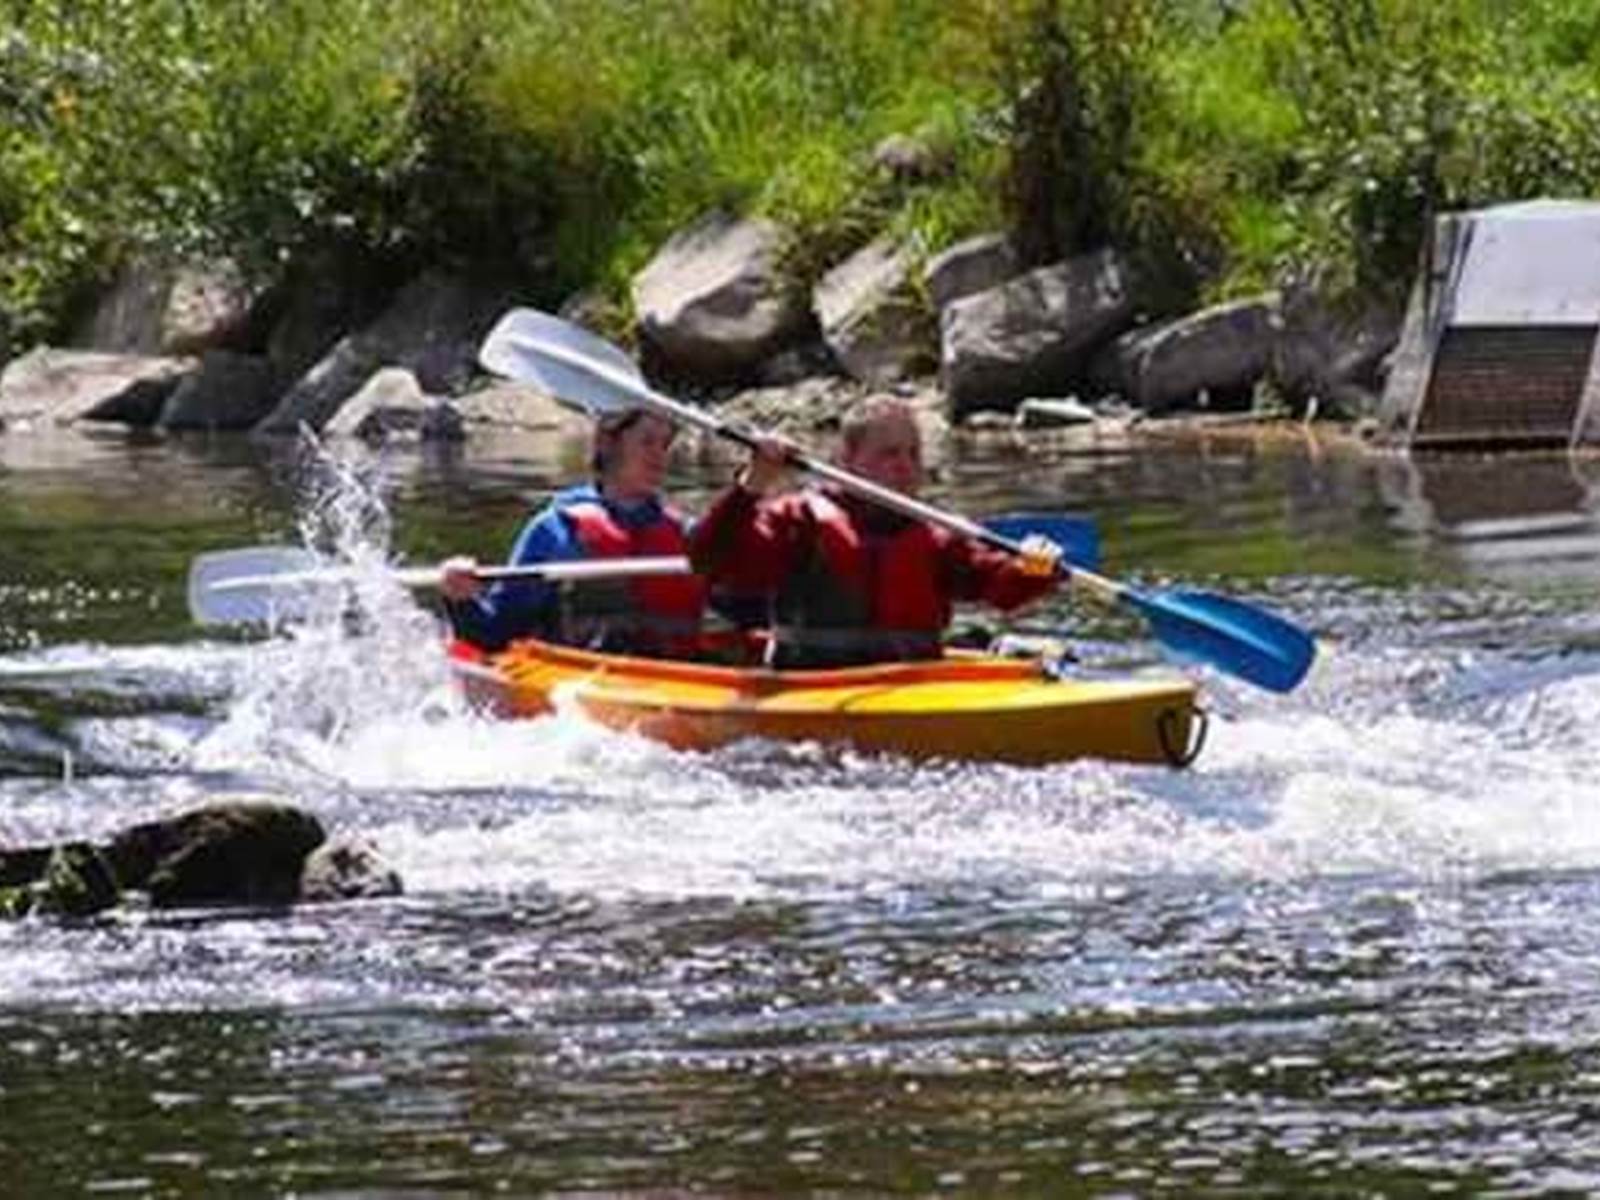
(347, 869)
(18, 867)
(72, 880)
(242, 852)
(234, 851)
(227, 391)
(78, 881)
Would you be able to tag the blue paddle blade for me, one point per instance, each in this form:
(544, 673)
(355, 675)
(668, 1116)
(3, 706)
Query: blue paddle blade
(1229, 634)
(1078, 537)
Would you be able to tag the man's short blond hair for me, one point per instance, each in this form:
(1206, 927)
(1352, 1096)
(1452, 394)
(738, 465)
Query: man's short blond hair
(867, 412)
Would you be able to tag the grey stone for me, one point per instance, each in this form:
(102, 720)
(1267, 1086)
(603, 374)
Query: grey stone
(870, 318)
(1220, 351)
(1032, 334)
(65, 386)
(969, 266)
(433, 328)
(713, 302)
(391, 403)
(227, 391)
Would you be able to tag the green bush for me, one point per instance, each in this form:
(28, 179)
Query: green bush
(1229, 145)
(252, 128)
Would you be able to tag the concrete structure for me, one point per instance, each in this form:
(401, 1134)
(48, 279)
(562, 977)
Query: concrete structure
(1498, 347)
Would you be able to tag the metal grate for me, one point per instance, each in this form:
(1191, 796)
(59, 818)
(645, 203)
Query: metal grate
(1495, 385)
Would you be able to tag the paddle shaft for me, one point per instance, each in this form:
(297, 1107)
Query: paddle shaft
(687, 414)
(1107, 591)
(599, 568)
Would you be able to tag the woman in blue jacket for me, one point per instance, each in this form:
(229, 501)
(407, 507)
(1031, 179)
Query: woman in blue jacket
(619, 514)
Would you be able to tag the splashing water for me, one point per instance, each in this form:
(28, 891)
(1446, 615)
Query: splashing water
(1422, 759)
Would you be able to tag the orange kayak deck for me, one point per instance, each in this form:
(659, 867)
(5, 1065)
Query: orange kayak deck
(965, 706)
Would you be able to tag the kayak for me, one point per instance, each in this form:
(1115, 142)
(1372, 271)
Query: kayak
(968, 706)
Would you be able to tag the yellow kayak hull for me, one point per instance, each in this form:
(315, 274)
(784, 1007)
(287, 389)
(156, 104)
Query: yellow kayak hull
(966, 706)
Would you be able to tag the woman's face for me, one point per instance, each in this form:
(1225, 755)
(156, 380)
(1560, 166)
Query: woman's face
(637, 458)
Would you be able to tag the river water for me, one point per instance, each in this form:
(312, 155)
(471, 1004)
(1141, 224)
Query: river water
(1347, 951)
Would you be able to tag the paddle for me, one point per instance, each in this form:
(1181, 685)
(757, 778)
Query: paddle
(567, 361)
(264, 584)
(1078, 537)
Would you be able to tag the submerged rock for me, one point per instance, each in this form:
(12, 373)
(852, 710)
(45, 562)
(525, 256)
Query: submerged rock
(347, 869)
(241, 850)
(74, 880)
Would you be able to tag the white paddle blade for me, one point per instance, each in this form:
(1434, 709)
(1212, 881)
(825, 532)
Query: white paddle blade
(534, 347)
(212, 598)
(268, 585)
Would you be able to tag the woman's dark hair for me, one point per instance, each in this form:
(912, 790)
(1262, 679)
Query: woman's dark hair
(606, 431)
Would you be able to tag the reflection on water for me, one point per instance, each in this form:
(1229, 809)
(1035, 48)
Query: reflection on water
(1514, 517)
(1350, 950)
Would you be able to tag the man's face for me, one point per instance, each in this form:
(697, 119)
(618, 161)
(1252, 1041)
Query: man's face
(889, 452)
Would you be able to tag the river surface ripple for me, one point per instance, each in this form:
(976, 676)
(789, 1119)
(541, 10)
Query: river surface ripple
(1348, 951)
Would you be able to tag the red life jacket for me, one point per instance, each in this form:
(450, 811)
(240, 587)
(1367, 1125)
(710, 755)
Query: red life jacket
(651, 614)
(865, 594)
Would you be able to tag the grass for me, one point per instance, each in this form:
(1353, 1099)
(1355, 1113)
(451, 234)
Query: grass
(1234, 144)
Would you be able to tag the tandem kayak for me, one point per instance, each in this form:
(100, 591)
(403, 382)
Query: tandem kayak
(964, 706)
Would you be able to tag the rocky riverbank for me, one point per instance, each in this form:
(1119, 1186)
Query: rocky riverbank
(975, 338)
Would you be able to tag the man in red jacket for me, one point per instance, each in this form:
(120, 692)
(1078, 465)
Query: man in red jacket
(842, 580)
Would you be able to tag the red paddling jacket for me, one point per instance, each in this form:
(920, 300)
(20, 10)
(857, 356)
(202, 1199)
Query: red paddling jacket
(844, 581)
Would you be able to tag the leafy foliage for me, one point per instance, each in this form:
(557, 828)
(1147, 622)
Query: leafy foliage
(1229, 145)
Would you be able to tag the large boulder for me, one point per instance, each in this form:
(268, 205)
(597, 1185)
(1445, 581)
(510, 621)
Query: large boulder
(713, 303)
(1220, 351)
(870, 318)
(228, 391)
(969, 266)
(1031, 335)
(1333, 357)
(65, 386)
(432, 328)
(393, 403)
(160, 306)
(234, 850)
